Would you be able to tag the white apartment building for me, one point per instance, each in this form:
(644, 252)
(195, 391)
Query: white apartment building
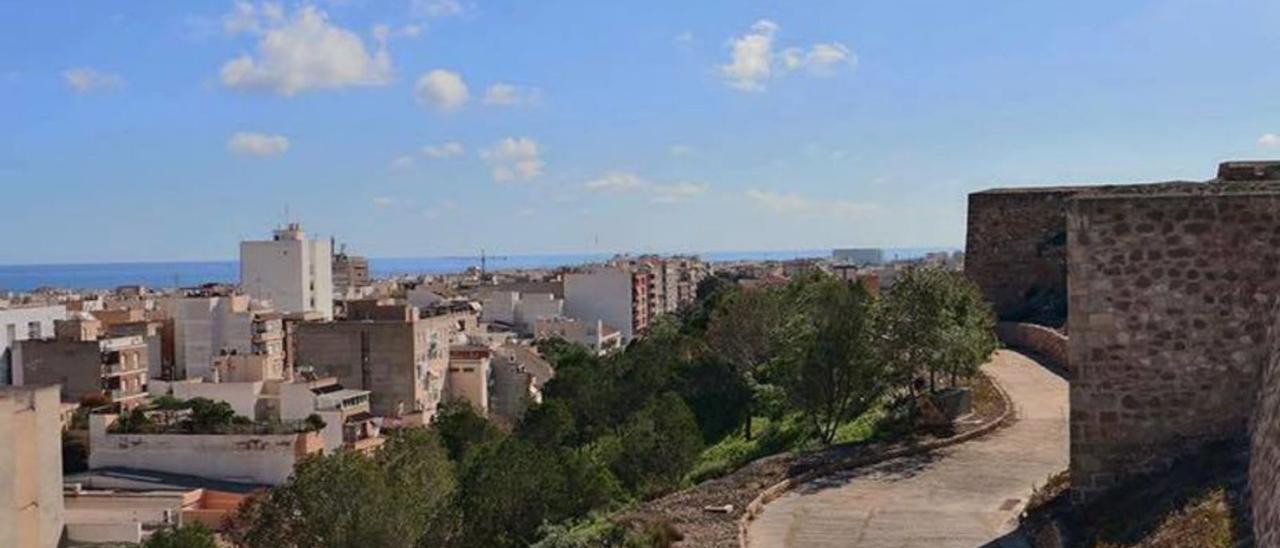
(294, 273)
(519, 310)
(602, 295)
(23, 323)
(205, 328)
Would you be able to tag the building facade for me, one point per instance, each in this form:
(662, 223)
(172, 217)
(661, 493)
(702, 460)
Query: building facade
(31, 507)
(293, 273)
(20, 324)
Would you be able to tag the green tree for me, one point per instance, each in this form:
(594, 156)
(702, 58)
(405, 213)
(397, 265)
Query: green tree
(208, 416)
(744, 332)
(833, 373)
(193, 535)
(659, 445)
(461, 428)
(934, 322)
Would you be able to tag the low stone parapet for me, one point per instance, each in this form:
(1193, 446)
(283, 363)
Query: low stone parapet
(1049, 343)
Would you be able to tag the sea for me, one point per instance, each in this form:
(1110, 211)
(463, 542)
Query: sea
(191, 273)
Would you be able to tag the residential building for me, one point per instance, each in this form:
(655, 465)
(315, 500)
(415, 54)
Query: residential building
(397, 352)
(864, 256)
(207, 328)
(518, 376)
(597, 336)
(125, 505)
(31, 508)
(20, 323)
(520, 311)
(470, 376)
(263, 454)
(350, 272)
(293, 273)
(611, 295)
(85, 365)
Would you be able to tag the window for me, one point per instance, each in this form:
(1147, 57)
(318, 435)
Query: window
(34, 330)
(10, 333)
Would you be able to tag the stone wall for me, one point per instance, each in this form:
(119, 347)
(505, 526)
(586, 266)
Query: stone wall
(1049, 343)
(1264, 460)
(1169, 295)
(1015, 249)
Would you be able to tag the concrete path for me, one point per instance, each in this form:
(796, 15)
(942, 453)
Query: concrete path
(965, 495)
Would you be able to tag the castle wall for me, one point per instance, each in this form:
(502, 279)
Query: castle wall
(1170, 296)
(1015, 249)
(1264, 459)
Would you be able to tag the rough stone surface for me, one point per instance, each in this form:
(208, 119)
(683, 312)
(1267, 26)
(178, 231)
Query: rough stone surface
(1264, 460)
(1169, 299)
(1016, 246)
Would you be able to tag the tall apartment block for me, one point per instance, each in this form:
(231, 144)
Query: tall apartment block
(293, 273)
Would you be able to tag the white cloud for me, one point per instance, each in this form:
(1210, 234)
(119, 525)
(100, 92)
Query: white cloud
(795, 204)
(825, 59)
(441, 89)
(87, 80)
(248, 143)
(677, 192)
(306, 53)
(752, 61)
(248, 18)
(1269, 140)
(682, 151)
(753, 58)
(624, 181)
(501, 94)
(685, 38)
(384, 201)
(444, 150)
(616, 181)
(437, 8)
(401, 163)
(514, 159)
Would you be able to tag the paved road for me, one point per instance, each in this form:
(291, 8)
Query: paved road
(966, 495)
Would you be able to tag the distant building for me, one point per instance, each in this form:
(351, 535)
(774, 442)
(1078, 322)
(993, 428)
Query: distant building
(31, 508)
(293, 273)
(350, 272)
(84, 364)
(20, 324)
(520, 311)
(864, 256)
(398, 352)
(122, 505)
(596, 336)
(207, 329)
(470, 376)
(518, 376)
(614, 296)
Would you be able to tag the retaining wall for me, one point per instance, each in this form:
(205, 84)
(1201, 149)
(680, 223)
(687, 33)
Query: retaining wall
(1049, 343)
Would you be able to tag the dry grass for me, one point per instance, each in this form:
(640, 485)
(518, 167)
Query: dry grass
(1207, 522)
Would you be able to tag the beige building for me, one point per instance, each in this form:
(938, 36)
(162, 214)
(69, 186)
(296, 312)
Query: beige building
(518, 375)
(207, 328)
(19, 323)
(594, 335)
(31, 507)
(85, 365)
(291, 272)
(470, 376)
(397, 352)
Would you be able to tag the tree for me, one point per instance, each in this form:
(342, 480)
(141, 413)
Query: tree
(833, 372)
(461, 428)
(194, 535)
(936, 322)
(400, 497)
(743, 331)
(659, 445)
(208, 416)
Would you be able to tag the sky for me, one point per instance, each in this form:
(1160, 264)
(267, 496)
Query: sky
(159, 130)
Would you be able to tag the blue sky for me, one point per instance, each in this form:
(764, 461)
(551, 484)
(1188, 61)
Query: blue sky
(158, 130)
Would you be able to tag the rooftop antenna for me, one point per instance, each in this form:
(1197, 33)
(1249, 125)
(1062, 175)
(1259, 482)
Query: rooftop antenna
(482, 263)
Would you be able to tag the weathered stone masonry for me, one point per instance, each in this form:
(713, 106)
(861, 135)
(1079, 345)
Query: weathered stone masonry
(1170, 289)
(1170, 299)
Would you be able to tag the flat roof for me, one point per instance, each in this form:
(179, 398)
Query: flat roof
(136, 479)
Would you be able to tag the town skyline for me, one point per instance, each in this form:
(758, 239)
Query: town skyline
(430, 128)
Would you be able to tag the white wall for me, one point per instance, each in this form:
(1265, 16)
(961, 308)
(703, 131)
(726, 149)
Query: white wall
(295, 275)
(203, 327)
(14, 327)
(266, 459)
(535, 306)
(603, 295)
